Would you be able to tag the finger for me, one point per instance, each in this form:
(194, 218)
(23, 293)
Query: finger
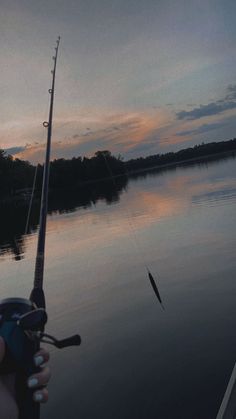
(2, 348)
(40, 379)
(41, 396)
(41, 357)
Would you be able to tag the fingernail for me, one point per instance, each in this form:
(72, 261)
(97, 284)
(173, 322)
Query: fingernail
(38, 360)
(32, 382)
(38, 397)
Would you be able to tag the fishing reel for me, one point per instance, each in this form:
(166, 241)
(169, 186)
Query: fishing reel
(22, 328)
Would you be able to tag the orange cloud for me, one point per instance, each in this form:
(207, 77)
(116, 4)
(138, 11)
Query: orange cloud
(89, 132)
(85, 132)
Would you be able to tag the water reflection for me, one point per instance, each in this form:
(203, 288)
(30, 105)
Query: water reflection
(68, 200)
(13, 219)
(176, 189)
(13, 215)
(222, 194)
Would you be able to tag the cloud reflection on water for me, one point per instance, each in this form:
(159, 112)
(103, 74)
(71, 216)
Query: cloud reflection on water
(143, 204)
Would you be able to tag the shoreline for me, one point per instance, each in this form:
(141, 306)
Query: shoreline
(200, 159)
(20, 200)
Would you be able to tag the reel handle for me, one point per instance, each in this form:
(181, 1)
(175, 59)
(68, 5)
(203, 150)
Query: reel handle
(21, 326)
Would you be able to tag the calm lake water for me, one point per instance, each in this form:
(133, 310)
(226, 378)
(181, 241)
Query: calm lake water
(136, 359)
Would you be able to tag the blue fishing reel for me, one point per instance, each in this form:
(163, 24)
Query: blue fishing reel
(21, 326)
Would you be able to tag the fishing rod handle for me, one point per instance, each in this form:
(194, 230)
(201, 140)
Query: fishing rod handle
(28, 408)
(21, 347)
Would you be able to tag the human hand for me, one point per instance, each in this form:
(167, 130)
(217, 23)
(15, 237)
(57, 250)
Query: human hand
(8, 406)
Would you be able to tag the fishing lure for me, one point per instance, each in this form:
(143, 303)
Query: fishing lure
(155, 289)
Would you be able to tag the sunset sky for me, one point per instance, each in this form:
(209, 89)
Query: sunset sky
(134, 77)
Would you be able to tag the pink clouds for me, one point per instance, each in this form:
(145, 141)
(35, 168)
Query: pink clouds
(87, 132)
(131, 134)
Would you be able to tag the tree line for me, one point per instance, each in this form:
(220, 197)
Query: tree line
(16, 174)
(195, 152)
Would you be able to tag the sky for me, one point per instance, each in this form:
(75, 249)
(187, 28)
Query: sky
(133, 77)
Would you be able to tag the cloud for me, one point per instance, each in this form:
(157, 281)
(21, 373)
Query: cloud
(144, 148)
(212, 108)
(125, 133)
(14, 150)
(200, 130)
(228, 102)
(232, 92)
(129, 133)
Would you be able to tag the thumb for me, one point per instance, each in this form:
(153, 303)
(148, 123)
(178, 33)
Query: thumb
(2, 349)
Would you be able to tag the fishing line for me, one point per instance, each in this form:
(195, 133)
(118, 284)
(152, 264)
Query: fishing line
(133, 234)
(20, 241)
(31, 201)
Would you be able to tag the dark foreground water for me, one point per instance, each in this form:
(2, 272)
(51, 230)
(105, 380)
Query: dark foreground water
(137, 360)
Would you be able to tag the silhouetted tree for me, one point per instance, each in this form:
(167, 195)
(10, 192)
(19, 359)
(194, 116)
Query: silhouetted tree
(17, 174)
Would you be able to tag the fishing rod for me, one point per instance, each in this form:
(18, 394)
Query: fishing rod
(37, 294)
(22, 321)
